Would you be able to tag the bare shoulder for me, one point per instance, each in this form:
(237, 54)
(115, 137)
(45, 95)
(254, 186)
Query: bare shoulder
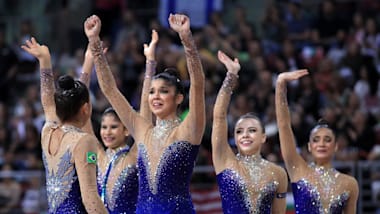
(349, 181)
(279, 171)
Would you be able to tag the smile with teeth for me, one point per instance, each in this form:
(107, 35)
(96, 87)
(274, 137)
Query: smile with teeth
(246, 142)
(108, 139)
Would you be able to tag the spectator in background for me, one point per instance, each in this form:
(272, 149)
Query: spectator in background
(10, 190)
(8, 67)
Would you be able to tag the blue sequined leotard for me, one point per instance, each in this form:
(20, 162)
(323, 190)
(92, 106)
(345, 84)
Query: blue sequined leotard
(167, 191)
(237, 194)
(321, 194)
(120, 193)
(62, 184)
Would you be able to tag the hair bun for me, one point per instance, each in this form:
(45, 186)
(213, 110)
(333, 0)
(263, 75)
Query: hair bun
(66, 82)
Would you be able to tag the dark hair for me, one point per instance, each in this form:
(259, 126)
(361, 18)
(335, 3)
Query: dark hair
(170, 75)
(69, 97)
(251, 115)
(111, 111)
(322, 123)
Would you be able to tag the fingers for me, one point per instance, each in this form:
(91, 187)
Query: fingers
(145, 46)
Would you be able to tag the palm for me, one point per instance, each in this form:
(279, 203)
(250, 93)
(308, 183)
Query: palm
(231, 65)
(35, 49)
(149, 50)
(292, 75)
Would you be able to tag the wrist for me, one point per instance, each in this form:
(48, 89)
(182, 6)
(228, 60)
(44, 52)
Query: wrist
(93, 38)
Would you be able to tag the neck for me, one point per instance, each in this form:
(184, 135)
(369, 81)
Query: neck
(73, 123)
(116, 149)
(322, 163)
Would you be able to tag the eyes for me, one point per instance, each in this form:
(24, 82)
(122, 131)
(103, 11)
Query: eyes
(326, 139)
(249, 130)
(161, 91)
(114, 126)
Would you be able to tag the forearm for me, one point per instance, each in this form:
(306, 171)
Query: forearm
(219, 136)
(197, 81)
(105, 77)
(87, 67)
(107, 83)
(224, 95)
(193, 59)
(287, 141)
(47, 91)
(150, 70)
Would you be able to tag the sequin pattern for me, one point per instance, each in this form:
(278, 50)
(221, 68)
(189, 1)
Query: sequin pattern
(321, 194)
(254, 194)
(122, 198)
(63, 187)
(167, 191)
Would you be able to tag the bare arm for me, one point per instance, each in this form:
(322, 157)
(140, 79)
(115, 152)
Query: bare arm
(221, 151)
(150, 70)
(41, 52)
(85, 77)
(292, 159)
(86, 171)
(350, 208)
(195, 120)
(279, 201)
(126, 113)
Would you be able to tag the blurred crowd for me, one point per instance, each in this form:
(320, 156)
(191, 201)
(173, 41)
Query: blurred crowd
(337, 41)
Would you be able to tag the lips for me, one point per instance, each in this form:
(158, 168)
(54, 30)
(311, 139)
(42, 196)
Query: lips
(246, 142)
(108, 139)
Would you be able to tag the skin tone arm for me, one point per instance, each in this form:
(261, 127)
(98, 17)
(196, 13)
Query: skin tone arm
(221, 152)
(350, 208)
(41, 52)
(193, 126)
(87, 175)
(107, 83)
(292, 159)
(150, 70)
(279, 203)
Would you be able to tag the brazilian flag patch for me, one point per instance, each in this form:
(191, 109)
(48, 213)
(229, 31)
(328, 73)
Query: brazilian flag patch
(91, 157)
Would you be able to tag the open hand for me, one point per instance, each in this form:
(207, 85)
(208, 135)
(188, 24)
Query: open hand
(92, 26)
(232, 66)
(149, 50)
(34, 48)
(292, 75)
(179, 23)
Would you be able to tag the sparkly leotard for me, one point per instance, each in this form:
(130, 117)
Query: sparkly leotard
(253, 194)
(117, 181)
(319, 192)
(62, 183)
(164, 184)
(164, 166)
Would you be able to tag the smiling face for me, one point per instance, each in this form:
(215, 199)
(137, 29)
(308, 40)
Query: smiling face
(164, 99)
(322, 145)
(249, 136)
(112, 131)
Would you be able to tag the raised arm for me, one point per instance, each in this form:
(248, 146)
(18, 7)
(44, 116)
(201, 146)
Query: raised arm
(292, 159)
(85, 163)
(41, 52)
(221, 152)
(195, 120)
(150, 70)
(85, 77)
(107, 83)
